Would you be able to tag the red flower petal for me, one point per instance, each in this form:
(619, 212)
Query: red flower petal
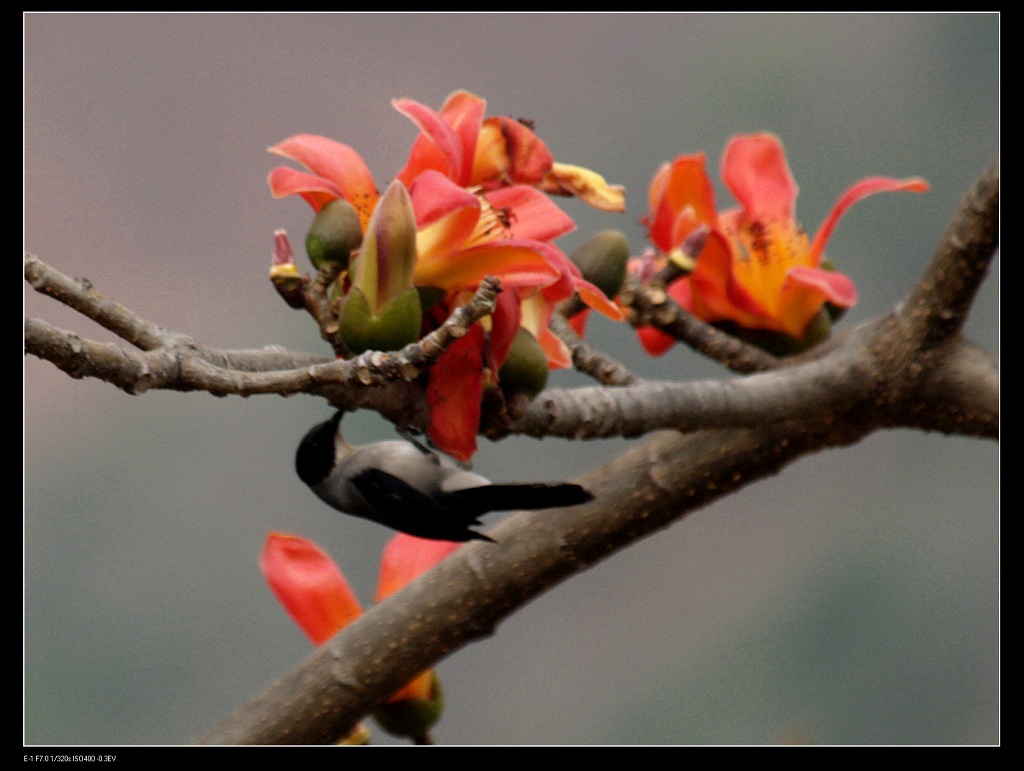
(435, 197)
(755, 169)
(454, 393)
(578, 322)
(856, 192)
(406, 558)
(712, 292)
(504, 324)
(557, 352)
(518, 263)
(464, 112)
(680, 191)
(337, 163)
(530, 213)
(316, 190)
(509, 150)
(597, 300)
(439, 147)
(654, 341)
(837, 288)
(309, 585)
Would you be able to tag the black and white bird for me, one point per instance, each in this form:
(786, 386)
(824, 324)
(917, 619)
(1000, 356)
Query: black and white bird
(407, 487)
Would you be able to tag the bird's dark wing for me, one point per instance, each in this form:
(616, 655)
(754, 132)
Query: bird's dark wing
(447, 516)
(402, 507)
(516, 496)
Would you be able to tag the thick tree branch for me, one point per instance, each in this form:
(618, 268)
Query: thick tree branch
(645, 489)
(911, 368)
(466, 597)
(938, 306)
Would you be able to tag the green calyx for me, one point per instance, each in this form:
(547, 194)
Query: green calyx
(525, 371)
(334, 234)
(602, 260)
(412, 717)
(397, 324)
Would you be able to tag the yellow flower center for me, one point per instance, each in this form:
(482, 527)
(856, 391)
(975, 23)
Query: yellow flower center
(765, 252)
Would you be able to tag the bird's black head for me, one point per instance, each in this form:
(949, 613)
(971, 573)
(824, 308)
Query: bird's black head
(315, 457)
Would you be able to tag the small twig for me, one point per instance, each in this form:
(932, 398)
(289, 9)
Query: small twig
(651, 306)
(600, 366)
(78, 294)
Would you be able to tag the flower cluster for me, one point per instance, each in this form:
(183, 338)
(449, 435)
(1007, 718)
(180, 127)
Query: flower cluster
(472, 200)
(314, 592)
(758, 270)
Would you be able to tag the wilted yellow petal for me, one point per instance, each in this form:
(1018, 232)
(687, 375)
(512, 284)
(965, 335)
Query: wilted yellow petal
(587, 185)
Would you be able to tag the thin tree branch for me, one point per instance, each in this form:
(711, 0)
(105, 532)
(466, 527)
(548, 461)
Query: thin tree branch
(78, 294)
(600, 366)
(651, 306)
(175, 361)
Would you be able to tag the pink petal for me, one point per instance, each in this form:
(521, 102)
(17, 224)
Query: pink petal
(516, 262)
(446, 215)
(309, 586)
(439, 147)
(464, 112)
(406, 558)
(336, 162)
(859, 190)
(754, 168)
(837, 288)
(316, 190)
(531, 214)
(435, 197)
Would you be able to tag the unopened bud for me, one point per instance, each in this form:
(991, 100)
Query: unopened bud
(602, 260)
(413, 717)
(334, 234)
(284, 274)
(385, 264)
(525, 371)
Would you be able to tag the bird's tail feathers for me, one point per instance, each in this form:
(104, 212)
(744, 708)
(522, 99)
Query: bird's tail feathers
(513, 497)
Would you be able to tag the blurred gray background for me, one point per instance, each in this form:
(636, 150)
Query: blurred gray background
(852, 599)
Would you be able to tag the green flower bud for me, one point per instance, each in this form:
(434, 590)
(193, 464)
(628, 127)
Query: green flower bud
(384, 266)
(334, 234)
(602, 260)
(525, 371)
(412, 717)
(397, 325)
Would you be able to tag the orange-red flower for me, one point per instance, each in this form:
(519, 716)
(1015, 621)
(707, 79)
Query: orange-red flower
(316, 595)
(471, 150)
(758, 269)
(477, 187)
